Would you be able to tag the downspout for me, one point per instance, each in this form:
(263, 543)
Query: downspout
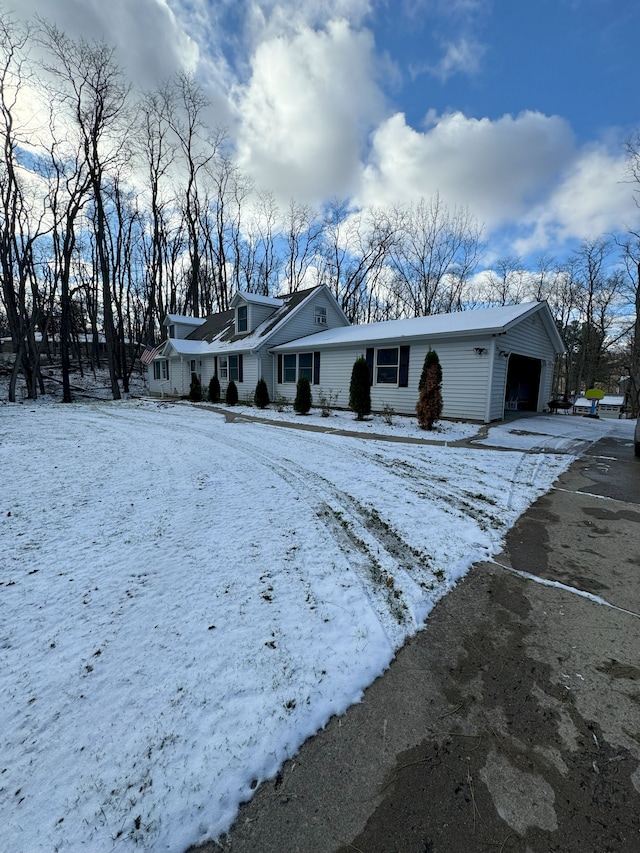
(182, 374)
(492, 355)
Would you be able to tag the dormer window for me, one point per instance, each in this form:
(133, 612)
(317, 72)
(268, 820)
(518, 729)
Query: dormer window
(320, 315)
(172, 331)
(241, 319)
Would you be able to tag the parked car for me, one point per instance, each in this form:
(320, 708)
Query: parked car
(636, 437)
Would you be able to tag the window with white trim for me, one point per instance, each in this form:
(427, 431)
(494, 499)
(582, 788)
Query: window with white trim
(320, 315)
(223, 366)
(161, 369)
(387, 361)
(241, 319)
(172, 331)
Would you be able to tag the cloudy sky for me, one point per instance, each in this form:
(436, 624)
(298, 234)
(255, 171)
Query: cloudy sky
(517, 109)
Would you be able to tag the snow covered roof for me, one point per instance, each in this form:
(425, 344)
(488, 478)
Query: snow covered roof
(607, 400)
(256, 299)
(460, 323)
(185, 346)
(219, 331)
(181, 318)
(611, 400)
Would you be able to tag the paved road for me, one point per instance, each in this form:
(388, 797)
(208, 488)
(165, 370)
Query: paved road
(512, 722)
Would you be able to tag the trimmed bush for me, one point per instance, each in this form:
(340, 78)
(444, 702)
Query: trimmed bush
(359, 389)
(261, 396)
(195, 389)
(303, 401)
(214, 390)
(429, 405)
(231, 396)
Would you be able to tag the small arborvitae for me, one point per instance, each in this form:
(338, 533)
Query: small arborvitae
(360, 389)
(214, 390)
(429, 405)
(261, 396)
(195, 389)
(232, 394)
(302, 403)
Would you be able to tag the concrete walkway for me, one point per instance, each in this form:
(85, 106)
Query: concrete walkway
(512, 721)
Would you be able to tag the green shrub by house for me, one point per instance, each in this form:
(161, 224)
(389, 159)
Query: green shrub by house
(429, 405)
(303, 401)
(214, 390)
(360, 389)
(195, 389)
(261, 396)
(231, 397)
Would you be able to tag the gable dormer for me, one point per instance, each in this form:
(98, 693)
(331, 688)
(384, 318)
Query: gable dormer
(179, 326)
(251, 309)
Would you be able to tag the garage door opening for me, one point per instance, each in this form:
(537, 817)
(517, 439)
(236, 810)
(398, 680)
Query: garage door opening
(523, 384)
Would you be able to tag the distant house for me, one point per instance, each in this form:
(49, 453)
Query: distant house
(493, 359)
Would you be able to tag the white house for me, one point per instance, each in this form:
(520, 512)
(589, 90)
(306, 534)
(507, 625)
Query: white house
(235, 344)
(492, 359)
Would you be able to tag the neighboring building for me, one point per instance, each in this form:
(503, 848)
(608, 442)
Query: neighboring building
(610, 406)
(492, 358)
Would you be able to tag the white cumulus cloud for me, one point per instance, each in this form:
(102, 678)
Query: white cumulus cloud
(307, 110)
(496, 168)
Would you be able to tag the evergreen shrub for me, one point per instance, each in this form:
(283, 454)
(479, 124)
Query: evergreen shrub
(231, 397)
(303, 401)
(360, 389)
(261, 396)
(195, 389)
(429, 405)
(214, 390)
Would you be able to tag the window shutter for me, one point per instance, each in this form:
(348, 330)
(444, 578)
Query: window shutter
(279, 368)
(215, 365)
(240, 379)
(403, 375)
(370, 364)
(316, 368)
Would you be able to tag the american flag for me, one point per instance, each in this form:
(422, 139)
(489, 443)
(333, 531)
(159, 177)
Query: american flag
(148, 354)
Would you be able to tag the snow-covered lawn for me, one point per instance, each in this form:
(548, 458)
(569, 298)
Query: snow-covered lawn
(184, 601)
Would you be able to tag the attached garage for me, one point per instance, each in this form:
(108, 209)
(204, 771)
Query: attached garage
(493, 360)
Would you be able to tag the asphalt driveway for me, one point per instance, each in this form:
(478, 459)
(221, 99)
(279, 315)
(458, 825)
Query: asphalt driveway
(512, 721)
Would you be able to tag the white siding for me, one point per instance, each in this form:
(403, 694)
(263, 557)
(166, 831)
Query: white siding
(530, 338)
(182, 330)
(302, 321)
(464, 378)
(258, 314)
(498, 385)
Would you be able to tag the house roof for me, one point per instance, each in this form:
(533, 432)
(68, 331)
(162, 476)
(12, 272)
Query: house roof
(184, 346)
(256, 299)
(182, 318)
(219, 335)
(459, 324)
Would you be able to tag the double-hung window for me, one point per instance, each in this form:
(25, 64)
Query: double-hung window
(305, 365)
(292, 366)
(234, 372)
(289, 368)
(320, 315)
(241, 320)
(223, 366)
(161, 369)
(387, 361)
